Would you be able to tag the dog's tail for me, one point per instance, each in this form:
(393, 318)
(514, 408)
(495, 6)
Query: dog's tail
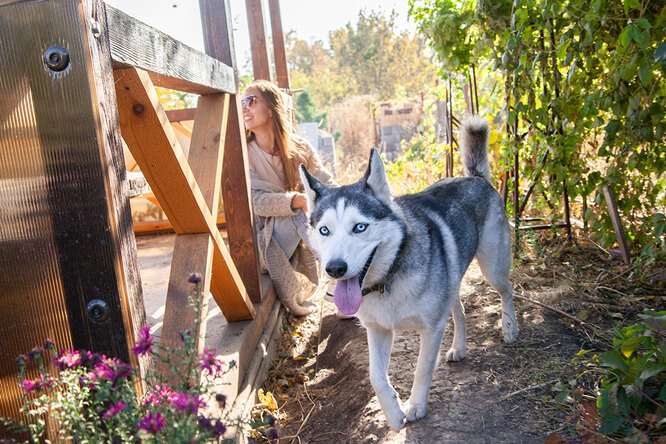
(474, 147)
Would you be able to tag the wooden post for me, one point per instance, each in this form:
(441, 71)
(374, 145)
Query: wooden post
(609, 195)
(281, 71)
(219, 43)
(255, 21)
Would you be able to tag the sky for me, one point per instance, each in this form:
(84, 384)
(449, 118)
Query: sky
(310, 19)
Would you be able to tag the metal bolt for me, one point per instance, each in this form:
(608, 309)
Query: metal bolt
(56, 58)
(98, 310)
(138, 109)
(96, 29)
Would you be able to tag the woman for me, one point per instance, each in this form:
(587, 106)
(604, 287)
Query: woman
(274, 154)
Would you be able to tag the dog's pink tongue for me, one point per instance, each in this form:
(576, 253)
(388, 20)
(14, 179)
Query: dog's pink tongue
(347, 296)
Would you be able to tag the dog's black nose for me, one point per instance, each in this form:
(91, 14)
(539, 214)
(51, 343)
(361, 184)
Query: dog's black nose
(336, 268)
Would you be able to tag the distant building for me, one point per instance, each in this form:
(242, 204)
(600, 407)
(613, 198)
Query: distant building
(397, 123)
(322, 141)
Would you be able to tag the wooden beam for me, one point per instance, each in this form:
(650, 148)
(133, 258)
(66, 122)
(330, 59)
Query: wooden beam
(179, 115)
(255, 22)
(171, 64)
(153, 144)
(218, 40)
(194, 252)
(281, 70)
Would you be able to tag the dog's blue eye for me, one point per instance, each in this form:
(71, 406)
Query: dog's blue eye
(324, 231)
(360, 228)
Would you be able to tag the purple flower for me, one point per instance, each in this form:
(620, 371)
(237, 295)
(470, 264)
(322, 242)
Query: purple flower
(209, 362)
(205, 423)
(145, 343)
(153, 422)
(49, 345)
(185, 402)
(21, 360)
(194, 278)
(273, 434)
(219, 428)
(35, 352)
(115, 409)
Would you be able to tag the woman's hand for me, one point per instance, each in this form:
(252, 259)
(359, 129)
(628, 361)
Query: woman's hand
(299, 202)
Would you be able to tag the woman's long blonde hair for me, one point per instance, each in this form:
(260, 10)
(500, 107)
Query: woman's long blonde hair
(291, 147)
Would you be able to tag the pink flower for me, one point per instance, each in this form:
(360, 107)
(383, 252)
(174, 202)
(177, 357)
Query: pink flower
(30, 386)
(38, 384)
(186, 402)
(114, 409)
(145, 343)
(153, 422)
(161, 394)
(68, 359)
(209, 362)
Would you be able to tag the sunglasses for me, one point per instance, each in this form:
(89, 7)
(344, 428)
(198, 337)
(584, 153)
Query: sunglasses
(249, 101)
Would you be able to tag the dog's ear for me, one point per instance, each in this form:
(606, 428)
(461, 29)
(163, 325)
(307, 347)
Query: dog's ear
(375, 178)
(314, 189)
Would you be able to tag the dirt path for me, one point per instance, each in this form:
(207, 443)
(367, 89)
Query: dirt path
(472, 401)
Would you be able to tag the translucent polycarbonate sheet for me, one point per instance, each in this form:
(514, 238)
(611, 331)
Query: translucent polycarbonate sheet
(59, 250)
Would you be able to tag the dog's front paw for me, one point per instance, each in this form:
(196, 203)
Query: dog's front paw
(509, 328)
(455, 354)
(414, 410)
(396, 420)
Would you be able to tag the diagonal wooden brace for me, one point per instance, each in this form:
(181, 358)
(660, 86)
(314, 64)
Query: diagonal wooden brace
(151, 140)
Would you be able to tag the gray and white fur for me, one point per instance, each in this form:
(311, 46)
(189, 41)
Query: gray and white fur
(408, 255)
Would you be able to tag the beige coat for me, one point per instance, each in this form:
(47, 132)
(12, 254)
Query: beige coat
(270, 201)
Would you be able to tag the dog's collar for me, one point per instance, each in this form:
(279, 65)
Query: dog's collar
(382, 287)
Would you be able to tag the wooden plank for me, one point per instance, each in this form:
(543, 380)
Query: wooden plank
(255, 21)
(178, 115)
(611, 204)
(280, 55)
(218, 40)
(154, 146)
(192, 253)
(171, 64)
(164, 226)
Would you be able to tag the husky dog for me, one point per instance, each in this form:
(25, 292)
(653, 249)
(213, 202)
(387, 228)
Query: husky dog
(398, 262)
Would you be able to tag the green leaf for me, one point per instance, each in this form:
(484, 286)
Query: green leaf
(611, 423)
(660, 53)
(613, 359)
(645, 74)
(630, 345)
(643, 23)
(640, 37)
(652, 371)
(625, 36)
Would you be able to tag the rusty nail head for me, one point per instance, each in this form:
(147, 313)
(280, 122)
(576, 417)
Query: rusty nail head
(138, 109)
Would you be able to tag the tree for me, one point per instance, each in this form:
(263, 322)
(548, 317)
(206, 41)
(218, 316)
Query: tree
(369, 57)
(583, 86)
(306, 110)
(377, 60)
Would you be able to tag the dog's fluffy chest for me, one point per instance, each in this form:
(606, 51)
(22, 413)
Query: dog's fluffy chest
(398, 308)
